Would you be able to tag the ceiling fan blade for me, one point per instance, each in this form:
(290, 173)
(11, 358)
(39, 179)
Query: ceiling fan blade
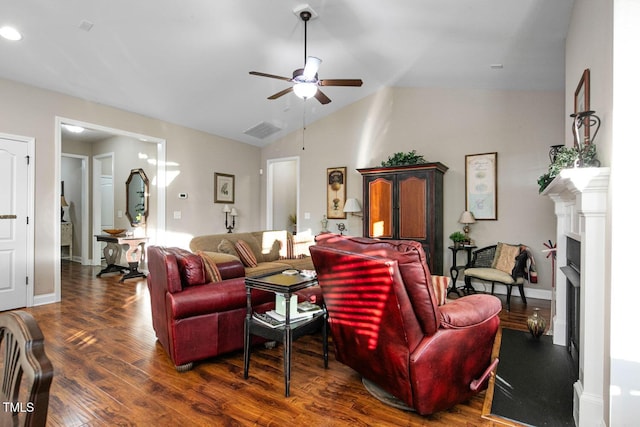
(340, 82)
(320, 96)
(279, 94)
(311, 67)
(258, 73)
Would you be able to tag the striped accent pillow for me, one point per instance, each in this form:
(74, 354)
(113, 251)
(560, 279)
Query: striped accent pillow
(212, 274)
(290, 249)
(440, 286)
(246, 254)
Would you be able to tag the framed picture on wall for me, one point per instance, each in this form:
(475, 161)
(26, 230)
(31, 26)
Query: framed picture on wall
(481, 187)
(336, 192)
(224, 188)
(581, 103)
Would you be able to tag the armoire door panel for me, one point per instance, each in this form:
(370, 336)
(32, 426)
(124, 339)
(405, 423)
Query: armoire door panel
(412, 202)
(381, 208)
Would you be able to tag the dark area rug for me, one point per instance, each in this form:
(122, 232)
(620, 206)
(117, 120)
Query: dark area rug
(534, 381)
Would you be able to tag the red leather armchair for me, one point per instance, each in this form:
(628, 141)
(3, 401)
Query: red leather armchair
(195, 319)
(387, 326)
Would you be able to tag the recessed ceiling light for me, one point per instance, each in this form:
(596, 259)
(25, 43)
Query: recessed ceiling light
(10, 33)
(497, 66)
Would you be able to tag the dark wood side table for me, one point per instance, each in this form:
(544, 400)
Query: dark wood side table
(287, 333)
(455, 267)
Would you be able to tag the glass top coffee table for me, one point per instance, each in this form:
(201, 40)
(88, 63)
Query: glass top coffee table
(285, 285)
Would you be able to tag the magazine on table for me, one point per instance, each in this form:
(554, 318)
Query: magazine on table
(267, 320)
(309, 307)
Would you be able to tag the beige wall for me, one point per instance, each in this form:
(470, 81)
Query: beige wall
(442, 125)
(192, 158)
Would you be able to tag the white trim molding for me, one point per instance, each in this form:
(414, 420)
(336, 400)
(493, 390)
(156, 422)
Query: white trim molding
(580, 197)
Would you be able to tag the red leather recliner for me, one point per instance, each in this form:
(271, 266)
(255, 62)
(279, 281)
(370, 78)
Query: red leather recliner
(193, 319)
(387, 326)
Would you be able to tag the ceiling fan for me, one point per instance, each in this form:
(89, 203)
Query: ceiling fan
(305, 80)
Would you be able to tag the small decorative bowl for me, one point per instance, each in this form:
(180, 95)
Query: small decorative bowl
(114, 231)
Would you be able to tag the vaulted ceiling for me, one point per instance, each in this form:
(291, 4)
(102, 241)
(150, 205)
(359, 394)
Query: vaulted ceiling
(188, 61)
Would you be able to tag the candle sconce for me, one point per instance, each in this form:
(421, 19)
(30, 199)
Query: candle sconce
(229, 212)
(583, 123)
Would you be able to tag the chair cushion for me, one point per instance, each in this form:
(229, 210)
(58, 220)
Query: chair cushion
(505, 257)
(246, 254)
(492, 275)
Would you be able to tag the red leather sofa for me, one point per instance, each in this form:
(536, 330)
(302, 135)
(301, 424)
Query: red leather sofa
(386, 324)
(195, 319)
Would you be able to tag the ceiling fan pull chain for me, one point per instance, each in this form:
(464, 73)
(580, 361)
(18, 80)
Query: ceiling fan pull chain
(304, 120)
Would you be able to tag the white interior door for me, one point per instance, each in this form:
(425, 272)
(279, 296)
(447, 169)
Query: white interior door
(14, 209)
(106, 207)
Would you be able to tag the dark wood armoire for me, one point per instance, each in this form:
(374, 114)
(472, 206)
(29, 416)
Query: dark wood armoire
(406, 202)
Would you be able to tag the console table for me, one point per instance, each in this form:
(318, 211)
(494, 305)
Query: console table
(112, 252)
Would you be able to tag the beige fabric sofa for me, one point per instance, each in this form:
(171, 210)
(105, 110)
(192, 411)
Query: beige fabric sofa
(274, 250)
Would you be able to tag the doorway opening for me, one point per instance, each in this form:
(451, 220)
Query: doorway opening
(283, 176)
(81, 145)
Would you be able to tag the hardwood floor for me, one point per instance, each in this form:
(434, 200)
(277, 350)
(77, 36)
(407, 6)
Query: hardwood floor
(110, 370)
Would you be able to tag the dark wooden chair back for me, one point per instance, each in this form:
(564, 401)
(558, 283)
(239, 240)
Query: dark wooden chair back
(26, 371)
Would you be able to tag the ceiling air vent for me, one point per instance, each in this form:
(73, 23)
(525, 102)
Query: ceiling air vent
(262, 130)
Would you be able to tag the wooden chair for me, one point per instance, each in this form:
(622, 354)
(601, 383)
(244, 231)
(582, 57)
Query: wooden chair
(24, 364)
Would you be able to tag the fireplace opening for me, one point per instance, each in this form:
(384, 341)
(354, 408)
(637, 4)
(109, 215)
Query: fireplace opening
(572, 273)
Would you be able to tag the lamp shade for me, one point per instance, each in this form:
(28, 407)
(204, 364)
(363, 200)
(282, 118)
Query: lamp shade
(226, 209)
(234, 212)
(467, 218)
(351, 206)
(305, 90)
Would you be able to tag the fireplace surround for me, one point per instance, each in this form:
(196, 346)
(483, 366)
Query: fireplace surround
(580, 199)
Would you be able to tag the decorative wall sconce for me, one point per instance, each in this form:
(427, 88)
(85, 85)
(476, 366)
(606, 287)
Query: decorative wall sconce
(229, 212)
(352, 206)
(466, 218)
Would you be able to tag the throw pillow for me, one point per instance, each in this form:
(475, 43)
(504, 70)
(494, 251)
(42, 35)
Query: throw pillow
(505, 257)
(290, 254)
(440, 286)
(226, 247)
(246, 254)
(212, 274)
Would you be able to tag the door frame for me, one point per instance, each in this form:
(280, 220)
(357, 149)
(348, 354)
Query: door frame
(160, 232)
(31, 142)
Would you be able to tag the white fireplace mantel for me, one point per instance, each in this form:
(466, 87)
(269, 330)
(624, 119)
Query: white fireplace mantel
(580, 197)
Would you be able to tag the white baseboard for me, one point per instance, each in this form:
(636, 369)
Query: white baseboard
(502, 290)
(44, 299)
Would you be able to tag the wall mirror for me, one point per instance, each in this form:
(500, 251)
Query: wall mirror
(137, 198)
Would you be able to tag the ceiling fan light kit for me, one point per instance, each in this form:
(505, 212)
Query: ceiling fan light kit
(305, 80)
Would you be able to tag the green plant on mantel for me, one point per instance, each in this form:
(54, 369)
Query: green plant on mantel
(402, 159)
(569, 157)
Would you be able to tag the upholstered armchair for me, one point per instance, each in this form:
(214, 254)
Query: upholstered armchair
(501, 263)
(386, 324)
